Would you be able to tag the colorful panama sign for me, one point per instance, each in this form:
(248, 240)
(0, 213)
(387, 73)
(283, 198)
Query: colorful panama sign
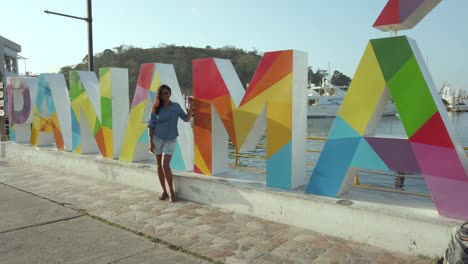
(95, 117)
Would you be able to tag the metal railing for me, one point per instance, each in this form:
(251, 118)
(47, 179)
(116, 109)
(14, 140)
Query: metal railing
(356, 183)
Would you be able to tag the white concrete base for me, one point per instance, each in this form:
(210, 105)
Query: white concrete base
(399, 223)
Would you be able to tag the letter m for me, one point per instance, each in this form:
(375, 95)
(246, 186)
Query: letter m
(275, 102)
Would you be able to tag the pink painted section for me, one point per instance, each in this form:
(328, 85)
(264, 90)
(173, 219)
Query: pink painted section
(449, 196)
(440, 162)
(140, 95)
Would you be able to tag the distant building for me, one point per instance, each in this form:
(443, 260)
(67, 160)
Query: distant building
(8, 58)
(8, 67)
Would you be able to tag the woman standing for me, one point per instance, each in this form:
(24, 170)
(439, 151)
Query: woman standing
(163, 134)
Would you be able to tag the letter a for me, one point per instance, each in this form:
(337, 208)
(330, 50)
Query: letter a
(394, 67)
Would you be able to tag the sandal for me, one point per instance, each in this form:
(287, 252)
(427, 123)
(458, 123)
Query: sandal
(173, 198)
(163, 196)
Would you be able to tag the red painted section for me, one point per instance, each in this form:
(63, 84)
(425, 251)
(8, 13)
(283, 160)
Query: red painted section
(146, 75)
(390, 15)
(207, 80)
(433, 133)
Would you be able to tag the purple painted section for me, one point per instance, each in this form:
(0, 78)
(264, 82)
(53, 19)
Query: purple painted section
(396, 153)
(450, 196)
(18, 117)
(140, 95)
(440, 162)
(407, 7)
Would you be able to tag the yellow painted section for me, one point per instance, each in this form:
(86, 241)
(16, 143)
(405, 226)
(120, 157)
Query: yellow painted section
(78, 150)
(200, 162)
(75, 105)
(39, 122)
(107, 132)
(105, 82)
(365, 90)
(278, 99)
(233, 104)
(55, 119)
(84, 103)
(35, 128)
(133, 132)
(156, 82)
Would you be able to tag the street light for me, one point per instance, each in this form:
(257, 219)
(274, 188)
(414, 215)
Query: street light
(88, 19)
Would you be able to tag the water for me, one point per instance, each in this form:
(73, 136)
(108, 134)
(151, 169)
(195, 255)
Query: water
(389, 125)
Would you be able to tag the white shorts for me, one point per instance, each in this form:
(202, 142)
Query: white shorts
(165, 147)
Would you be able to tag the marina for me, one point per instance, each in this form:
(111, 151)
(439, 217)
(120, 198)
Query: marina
(325, 100)
(455, 99)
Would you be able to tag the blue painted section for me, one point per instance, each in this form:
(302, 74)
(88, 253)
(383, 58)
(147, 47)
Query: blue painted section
(367, 158)
(144, 137)
(76, 132)
(332, 166)
(279, 169)
(177, 161)
(49, 101)
(44, 91)
(341, 129)
(152, 95)
(12, 134)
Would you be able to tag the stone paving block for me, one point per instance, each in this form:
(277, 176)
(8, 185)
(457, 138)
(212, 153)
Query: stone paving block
(225, 236)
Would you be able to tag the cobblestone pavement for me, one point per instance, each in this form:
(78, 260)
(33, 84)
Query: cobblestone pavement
(219, 234)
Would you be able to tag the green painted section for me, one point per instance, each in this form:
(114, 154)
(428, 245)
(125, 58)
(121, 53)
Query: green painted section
(392, 54)
(412, 97)
(106, 112)
(97, 126)
(76, 88)
(103, 71)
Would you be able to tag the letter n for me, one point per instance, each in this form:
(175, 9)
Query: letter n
(114, 108)
(88, 135)
(275, 102)
(394, 67)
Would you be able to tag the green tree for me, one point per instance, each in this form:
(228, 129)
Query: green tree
(316, 77)
(340, 79)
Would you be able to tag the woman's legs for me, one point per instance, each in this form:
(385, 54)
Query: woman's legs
(161, 177)
(168, 174)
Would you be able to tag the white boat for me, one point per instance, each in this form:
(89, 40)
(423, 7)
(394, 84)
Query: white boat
(325, 101)
(453, 98)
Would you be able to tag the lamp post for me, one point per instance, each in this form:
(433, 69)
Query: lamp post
(88, 19)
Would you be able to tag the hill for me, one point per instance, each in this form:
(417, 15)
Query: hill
(181, 57)
(245, 63)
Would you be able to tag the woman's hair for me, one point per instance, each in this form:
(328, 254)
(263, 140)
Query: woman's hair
(157, 103)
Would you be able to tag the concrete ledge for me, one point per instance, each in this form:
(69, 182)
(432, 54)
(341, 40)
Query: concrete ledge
(397, 222)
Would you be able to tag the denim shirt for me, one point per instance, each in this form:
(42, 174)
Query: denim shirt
(165, 123)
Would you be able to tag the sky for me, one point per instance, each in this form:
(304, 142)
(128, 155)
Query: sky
(333, 32)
